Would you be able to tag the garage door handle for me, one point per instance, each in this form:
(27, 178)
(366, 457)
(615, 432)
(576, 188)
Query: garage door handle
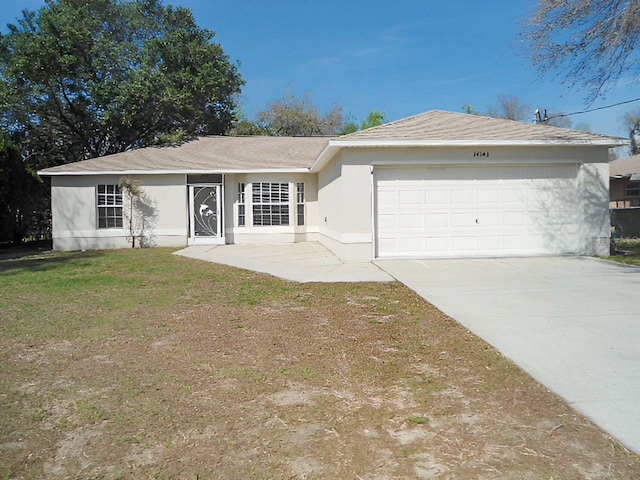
(477, 221)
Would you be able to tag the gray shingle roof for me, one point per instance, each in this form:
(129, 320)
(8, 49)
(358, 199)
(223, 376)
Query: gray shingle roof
(441, 126)
(227, 154)
(208, 154)
(625, 166)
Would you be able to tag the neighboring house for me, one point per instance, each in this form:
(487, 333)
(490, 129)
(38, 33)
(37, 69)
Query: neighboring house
(624, 185)
(438, 184)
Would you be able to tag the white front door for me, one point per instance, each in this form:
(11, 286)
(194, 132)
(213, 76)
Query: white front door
(205, 215)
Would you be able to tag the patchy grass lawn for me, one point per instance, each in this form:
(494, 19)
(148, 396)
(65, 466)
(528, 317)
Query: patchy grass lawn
(628, 252)
(140, 364)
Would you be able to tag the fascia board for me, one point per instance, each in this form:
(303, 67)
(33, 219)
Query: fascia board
(335, 145)
(44, 173)
(612, 142)
(325, 156)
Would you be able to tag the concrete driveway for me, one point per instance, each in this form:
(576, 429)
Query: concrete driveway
(573, 323)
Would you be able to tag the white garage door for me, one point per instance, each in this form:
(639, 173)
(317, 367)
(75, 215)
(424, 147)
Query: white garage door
(477, 211)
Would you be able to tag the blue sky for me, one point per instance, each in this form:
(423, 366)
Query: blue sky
(402, 58)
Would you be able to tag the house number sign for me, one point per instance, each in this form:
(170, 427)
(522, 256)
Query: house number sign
(481, 154)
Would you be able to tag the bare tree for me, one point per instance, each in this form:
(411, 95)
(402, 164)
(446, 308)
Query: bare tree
(560, 120)
(510, 107)
(294, 116)
(631, 122)
(591, 43)
(141, 215)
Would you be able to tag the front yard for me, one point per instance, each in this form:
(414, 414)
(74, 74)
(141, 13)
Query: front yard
(140, 364)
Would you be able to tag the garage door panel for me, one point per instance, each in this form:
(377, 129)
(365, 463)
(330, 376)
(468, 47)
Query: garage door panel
(411, 197)
(488, 196)
(448, 211)
(460, 197)
(410, 221)
(436, 196)
(463, 219)
(490, 243)
(387, 198)
(412, 245)
(436, 219)
(387, 222)
(511, 219)
(513, 195)
(437, 244)
(514, 242)
(488, 219)
(463, 243)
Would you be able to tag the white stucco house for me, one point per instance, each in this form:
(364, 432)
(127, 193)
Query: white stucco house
(438, 184)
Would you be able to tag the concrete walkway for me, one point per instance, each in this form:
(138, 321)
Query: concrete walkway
(573, 323)
(300, 262)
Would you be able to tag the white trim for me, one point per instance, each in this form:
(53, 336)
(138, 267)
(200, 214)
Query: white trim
(325, 157)
(476, 143)
(372, 211)
(492, 162)
(44, 173)
(335, 146)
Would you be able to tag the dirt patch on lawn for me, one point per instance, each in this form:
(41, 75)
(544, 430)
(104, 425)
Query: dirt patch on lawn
(362, 381)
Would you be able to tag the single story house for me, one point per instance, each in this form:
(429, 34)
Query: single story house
(624, 182)
(437, 184)
(624, 188)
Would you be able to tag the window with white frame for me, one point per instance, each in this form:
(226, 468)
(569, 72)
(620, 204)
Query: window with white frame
(270, 203)
(109, 206)
(241, 205)
(300, 203)
(632, 189)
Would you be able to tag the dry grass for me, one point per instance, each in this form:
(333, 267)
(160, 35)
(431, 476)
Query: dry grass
(140, 364)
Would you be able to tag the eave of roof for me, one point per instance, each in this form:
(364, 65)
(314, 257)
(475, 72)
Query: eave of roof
(205, 155)
(335, 145)
(438, 128)
(44, 173)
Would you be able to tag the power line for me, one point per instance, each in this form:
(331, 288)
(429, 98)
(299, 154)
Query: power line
(593, 109)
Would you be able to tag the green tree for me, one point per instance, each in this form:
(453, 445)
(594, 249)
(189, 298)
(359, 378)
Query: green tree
(293, 116)
(592, 43)
(374, 119)
(81, 79)
(468, 108)
(349, 127)
(23, 203)
(84, 79)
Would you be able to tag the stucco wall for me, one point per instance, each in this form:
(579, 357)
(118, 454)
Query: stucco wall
(345, 208)
(593, 182)
(163, 212)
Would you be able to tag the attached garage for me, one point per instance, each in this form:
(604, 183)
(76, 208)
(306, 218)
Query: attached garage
(477, 210)
(443, 184)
